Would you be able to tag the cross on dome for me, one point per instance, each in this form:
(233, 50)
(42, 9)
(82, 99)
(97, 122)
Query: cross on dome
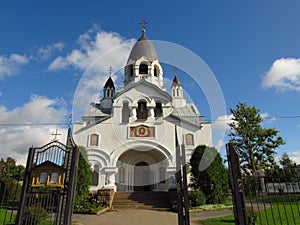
(143, 23)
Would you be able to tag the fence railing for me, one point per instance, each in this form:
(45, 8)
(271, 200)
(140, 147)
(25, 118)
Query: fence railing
(275, 200)
(10, 192)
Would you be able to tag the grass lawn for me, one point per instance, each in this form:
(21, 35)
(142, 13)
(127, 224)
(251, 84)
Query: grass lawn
(285, 215)
(7, 215)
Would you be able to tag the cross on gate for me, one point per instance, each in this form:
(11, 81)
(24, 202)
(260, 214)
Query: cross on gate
(55, 135)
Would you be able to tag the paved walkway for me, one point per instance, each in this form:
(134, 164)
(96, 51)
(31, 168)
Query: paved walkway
(143, 217)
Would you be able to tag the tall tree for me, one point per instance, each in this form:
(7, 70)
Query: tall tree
(213, 181)
(254, 144)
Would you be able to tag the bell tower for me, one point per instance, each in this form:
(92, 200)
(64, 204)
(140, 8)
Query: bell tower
(143, 62)
(178, 100)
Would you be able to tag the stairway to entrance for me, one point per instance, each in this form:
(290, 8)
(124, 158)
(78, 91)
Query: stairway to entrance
(142, 200)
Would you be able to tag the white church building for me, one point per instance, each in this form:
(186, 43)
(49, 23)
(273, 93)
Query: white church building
(130, 133)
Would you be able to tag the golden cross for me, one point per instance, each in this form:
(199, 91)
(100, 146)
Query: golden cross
(110, 70)
(143, 23)
(55, 135)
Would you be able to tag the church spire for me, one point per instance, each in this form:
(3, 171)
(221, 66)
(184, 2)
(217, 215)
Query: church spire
(109, 87)
(178, 100)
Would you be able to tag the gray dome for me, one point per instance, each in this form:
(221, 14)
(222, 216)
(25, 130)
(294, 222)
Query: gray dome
(143, 47)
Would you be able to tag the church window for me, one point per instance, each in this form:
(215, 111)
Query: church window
(125, 112)
(162, 175)
(122, 175)
(94, 140)
(95, 175)
(142, 112)
(155, 72)
(131, 70)
(158, 110)
(143, 69)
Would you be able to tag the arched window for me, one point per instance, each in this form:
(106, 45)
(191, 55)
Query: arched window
(95, 175)
(94, 140)
(158, 110)
(155, 71)
(142, 111)
(125, 112)
(143, 69)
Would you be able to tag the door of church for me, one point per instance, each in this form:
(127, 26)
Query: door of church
(142, 177)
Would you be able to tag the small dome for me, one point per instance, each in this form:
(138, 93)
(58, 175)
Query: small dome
(109, 84)
(143, 47)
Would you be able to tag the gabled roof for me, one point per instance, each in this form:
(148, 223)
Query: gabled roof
(142, 81)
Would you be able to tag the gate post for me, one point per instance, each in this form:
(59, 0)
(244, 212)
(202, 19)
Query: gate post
(236, 186)
(25, 186)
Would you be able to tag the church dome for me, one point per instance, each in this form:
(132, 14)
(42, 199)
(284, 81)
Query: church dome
(142, 48)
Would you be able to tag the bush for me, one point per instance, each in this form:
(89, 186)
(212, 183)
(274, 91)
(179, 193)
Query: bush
(251, 216)
(34, 215)
(213, 180)
(196, 198)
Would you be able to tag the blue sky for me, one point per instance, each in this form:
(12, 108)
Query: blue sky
(252, 47)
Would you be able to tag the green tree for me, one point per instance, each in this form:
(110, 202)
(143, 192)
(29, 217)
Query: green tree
(84, 178)
(213, 181)
(289, 167)
(10, 175)
(254, 144)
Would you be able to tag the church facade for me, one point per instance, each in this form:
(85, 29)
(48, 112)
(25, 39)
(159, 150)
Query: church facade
(130, 134)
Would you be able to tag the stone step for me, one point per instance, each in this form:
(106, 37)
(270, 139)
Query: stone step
(142, 200)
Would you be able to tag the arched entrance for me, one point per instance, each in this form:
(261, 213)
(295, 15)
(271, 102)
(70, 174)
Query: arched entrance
(142, 170)
(142, 177)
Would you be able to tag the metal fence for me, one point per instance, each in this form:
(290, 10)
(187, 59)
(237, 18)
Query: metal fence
(10, 191)
(261, 199)
(275, 200)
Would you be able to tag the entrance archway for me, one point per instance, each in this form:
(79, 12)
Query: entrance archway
(142, 177)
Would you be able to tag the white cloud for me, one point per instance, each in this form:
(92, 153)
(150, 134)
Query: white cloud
(46, 52)
(10, 65)
(295, 156)
(266, 117)
(221, 123)
(284, 74)
(39, 109)
(97, 51)
(93, 44)
(21, 127)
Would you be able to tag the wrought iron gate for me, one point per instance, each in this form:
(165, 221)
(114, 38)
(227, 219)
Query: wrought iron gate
(49, 184)
(261, 199)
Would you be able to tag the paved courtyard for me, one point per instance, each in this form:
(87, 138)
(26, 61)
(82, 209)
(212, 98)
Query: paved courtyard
(143, 217)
